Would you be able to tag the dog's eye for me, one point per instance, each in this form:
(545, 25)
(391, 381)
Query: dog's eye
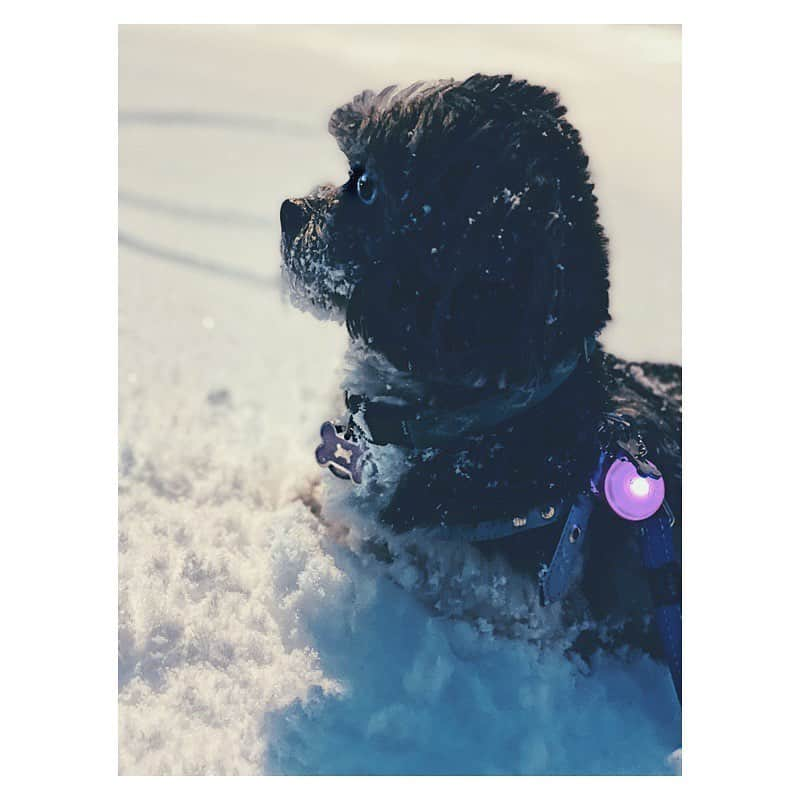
(367, 188)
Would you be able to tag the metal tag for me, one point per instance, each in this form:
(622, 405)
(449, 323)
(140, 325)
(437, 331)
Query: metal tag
(342, 456)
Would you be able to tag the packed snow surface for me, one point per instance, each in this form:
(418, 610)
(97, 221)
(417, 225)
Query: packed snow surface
(256, 635)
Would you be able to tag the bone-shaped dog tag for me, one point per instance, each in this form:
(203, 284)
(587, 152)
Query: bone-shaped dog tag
(340, 454)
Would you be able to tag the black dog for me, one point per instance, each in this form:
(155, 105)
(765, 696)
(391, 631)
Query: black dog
(465, 255)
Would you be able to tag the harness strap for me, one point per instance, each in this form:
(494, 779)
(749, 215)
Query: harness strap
(564, 566)
(658, 558)
(537, 517)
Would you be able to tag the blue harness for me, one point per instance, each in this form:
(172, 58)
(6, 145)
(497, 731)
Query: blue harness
(615, 474)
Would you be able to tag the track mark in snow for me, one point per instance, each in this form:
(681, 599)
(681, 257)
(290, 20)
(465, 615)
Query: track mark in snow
(199, 214)
(197, 262)
(216, 119)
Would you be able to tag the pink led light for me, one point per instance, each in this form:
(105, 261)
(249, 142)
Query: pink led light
(631, 495)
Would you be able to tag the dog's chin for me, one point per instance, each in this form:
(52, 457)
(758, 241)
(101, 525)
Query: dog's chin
(325, 308)
(312, 286)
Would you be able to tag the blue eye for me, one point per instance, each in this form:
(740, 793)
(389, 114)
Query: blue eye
(367, 188)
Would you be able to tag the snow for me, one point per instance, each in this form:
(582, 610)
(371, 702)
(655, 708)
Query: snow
(257, 635)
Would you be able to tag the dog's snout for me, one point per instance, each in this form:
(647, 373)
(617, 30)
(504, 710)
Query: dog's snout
(293, 217)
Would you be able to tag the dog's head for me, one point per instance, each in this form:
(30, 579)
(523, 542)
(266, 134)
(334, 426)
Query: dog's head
(464, 245)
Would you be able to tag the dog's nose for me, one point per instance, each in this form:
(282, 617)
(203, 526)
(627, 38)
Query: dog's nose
(293, 217)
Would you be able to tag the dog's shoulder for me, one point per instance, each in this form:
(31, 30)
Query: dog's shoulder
(649, 395)
(637, 379)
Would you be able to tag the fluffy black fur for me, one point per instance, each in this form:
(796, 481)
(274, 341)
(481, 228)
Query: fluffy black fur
(465, 248)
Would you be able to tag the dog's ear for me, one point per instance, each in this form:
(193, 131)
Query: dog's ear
(353, 123)
(348, 121)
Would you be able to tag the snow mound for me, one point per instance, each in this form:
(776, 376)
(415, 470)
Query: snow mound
(425, 695)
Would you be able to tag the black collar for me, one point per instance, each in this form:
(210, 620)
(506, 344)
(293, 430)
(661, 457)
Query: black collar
(420, 426)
